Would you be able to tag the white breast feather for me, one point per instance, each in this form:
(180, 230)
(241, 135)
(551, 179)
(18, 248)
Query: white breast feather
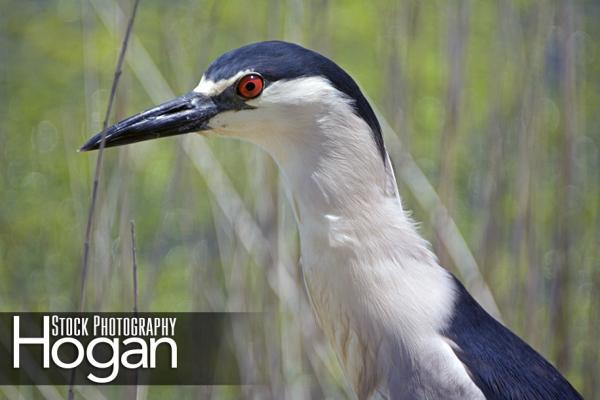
(376, 289)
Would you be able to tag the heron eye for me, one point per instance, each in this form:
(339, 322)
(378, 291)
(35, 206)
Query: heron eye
(250, 86)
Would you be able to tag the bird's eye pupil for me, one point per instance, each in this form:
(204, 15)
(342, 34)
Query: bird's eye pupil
(250, 86)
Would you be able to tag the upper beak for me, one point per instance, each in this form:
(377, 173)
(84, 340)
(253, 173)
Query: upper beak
(188, 113)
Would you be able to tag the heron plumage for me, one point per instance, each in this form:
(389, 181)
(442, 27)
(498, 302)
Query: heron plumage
(402, 326)
(502, 365)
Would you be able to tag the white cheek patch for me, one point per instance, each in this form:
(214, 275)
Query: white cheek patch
(301, 91)
(211, 88)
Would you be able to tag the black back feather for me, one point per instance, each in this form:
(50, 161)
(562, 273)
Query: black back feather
(502, 365)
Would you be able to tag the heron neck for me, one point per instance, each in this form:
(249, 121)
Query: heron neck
(337, 179)
(359, 249)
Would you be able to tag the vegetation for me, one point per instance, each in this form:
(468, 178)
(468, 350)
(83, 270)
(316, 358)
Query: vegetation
(496, 103)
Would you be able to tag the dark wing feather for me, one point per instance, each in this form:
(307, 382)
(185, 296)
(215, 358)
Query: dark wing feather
(502, 365)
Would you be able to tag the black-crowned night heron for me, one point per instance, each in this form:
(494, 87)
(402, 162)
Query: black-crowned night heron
(402, 326)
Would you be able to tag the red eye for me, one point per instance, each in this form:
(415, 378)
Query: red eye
(250, 86)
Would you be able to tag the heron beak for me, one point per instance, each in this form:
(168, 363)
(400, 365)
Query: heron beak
(188, 113)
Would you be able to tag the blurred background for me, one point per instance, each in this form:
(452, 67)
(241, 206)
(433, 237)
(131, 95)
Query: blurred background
(491, 115)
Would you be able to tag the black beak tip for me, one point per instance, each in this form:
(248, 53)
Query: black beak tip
(92, 144)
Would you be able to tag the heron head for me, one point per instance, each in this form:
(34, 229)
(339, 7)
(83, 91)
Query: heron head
(259, 92)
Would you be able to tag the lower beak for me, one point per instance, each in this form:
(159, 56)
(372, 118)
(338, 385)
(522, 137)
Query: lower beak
(187, 113)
